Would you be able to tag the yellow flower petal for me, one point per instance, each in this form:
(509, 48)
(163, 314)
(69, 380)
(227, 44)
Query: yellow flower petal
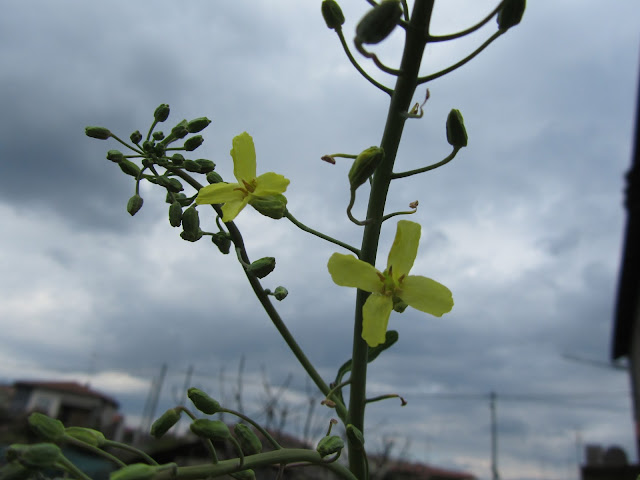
(244, 157)
(375, 318)
(219, 193)
(270, 184)
(404, 249)
(426, 295)
(348, 271)
(230, 210)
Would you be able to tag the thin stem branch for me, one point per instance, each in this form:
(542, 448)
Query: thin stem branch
(477, 26)
(357, 66)
(455, 66)
(442, 162)
(310, 230)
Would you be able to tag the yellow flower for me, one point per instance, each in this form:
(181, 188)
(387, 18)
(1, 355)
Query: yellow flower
(418, 292)
(235, 196)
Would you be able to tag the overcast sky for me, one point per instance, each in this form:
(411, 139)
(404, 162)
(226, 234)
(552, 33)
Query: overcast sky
(524, 226)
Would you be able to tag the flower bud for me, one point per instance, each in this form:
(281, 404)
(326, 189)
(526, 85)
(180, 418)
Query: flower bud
(273, 206)
(129, 168)
(161, 113)
(456, 133)
(203, 402)
(355, 437)
(100, 133)
(116, 156)
(15, 471)
(211, 429)
(280, 293)
(511, 13)
(262, 267)
(332, 14)
(136, 137)
(46, 427)
(191, 166)
(175, 214)
(180, 130)
(399, 305)
(192, 143)
(214, 177)
(198, 124)
(86, 435)
(379, 22)
(247, 474)
(329, 445)
(157, 136)
(177, 159)
(37, 455)
(134, 204)
(136, 471)
(248, 440)
(222, 241)
(167, 420)
(190, 221)
(191, 237)
(206, 166)
(364, 165)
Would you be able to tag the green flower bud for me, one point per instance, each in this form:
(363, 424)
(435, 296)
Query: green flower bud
(280, 293)
(136, 471)
(273, 206)
(116, 156)
(355, 437)
(86, 435)
(330, 445)
(456, 133)
(172, 184)
(192, 143)
(379, 22)
(364, 165)
(247, 474)
(157, 136)
(262, 267)
(177, 159)
(198, 124)
(203, 402)
(148, 146)
(191, 166)
(214, 177)
(399, 305)
(211, 429)
(248, 440)
(161, 113)
(222, 241)
(180, 130)
(37, 455)
(136, 137)
(134, 204)
(100, 133)
(46, 427)
(191, 221)
(511, 13)
(167, 420)
(175, 214)
(332, 14)
(206, 166)
(129, 168)
(191, 237)
(15, 471)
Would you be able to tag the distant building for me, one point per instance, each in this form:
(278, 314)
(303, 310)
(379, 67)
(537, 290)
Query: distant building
(71, 403)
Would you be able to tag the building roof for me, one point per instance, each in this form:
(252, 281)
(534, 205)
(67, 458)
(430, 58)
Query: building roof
(66, 387)
(628, 302)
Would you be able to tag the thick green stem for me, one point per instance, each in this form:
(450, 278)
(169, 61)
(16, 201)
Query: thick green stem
(416, 40)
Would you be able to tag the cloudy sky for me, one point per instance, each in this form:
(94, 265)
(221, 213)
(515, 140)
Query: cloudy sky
(524, 226)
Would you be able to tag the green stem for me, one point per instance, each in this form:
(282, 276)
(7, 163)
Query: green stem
(468, 58)
(95, 450)
(301, 226)
(442, 162)
(283, 456)
(451, 36)
(357, 66)
(258, 427)
(396, 117)
(128, 448)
